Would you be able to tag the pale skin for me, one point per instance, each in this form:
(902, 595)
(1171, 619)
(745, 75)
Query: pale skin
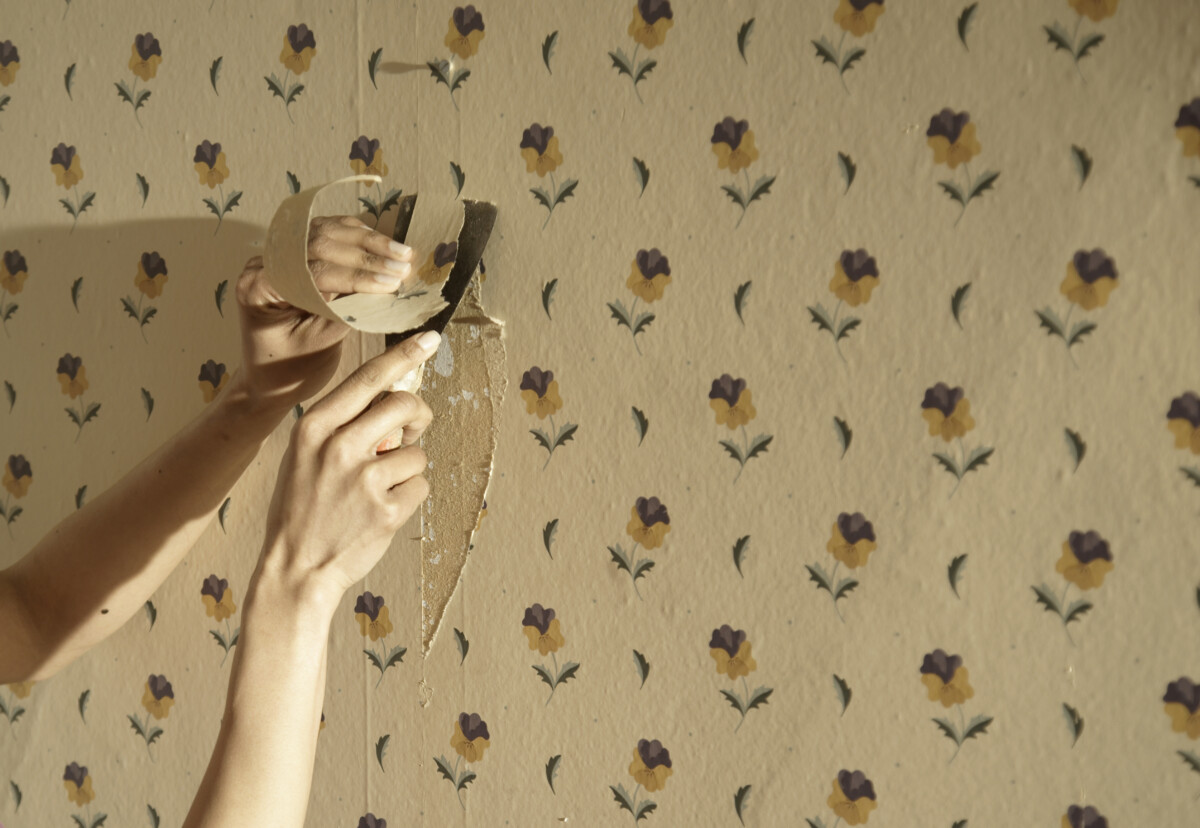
(350, 478)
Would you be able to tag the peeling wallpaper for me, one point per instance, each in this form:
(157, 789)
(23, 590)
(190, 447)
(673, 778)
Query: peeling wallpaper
(848, 464)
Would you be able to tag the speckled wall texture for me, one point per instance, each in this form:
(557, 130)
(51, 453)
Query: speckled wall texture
(848, 471)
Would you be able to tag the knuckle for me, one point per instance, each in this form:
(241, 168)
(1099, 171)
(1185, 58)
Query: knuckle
(372, 262)
(420, 487)
(339, 452)
(350, 221)
(368, 375)
(320, 246)
(418, 457)
(307, 431)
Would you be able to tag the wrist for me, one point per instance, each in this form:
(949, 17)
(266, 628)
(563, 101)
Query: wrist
(246, 412)
(274, 590)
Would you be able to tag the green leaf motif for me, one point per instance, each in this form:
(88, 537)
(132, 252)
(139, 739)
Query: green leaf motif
(565, 191)
(1191, 759)
(621, 63)
(143, 187)
(460, 178)
(956, 302)
(151, 612)
(844, 434)
(739, 802)
(740, 547)
(443, 768)
(16, 792)
(820, 317)
(843, 691)
(4, 189)
(644, 69)
(293, 93)
(1083, 163)
(825, 51)
(542, 438)
(734, 700)
(735, 195)
(739, 299)
(983, 184)
(293, 183)
(124, 92)
(1076, 446)
(947, 463)
(76, 287)
(373, 65)
(761, 188)
(743, 40)
(947, 728)
(640, 423)
(220, 293)
(153, 814)
(844, 588)
(735, 451)
(381, 747)
(552, 770)
(759, 446)
(1078, 331)
(964, 23)
(544, 675)
(1047, 599)
(817, 575)
(1087, 44)
(961, 823)
(846, 326)
(543, 197)
(977, 458)
(548, 52)
(1049, 320)
(83, 703)
(1074, 722)
(954, 572)
(1059, 38)
(618, 557)
(11, 393)
(622, 798)
(548, 290)
(275, 86)
(951, 189)
(1189, 472)
(463, 645)
(80, 494)
(223, 511)
(214, 72)
(69, 79)
(548, 532)
(846, 165)
(1076, 610)
(642, 173)
(643, 666)
(567, 432)
(396, 656)
(758, 697)
(977, 727)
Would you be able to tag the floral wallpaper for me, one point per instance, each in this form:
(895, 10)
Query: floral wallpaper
(853, 461)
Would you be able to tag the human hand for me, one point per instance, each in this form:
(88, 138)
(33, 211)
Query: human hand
(338, 500)
(289, 354)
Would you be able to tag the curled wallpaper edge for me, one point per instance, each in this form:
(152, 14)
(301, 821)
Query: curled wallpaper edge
(464, 386)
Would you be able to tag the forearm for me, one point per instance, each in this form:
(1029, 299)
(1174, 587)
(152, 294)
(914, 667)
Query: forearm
(97, 567)
(260, 772)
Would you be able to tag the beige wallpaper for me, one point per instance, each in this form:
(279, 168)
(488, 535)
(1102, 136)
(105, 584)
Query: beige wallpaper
(848, 467)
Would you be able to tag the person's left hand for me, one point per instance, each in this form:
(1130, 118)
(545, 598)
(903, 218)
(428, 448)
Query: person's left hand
(290, 354)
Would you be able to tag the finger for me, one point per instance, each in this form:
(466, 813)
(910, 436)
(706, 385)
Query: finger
(350, 230)
(349, 399)
(366, 272)
(398, 467)
(394, 413)
(408, 497)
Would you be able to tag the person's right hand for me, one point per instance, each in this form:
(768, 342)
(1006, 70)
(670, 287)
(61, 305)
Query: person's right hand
(338, 502)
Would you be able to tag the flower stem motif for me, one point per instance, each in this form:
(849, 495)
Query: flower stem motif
(210, 166)
(11, 710)
(373, 621)
(1183, 420)
(539, 149)
(72, 376)
(64, 163)
(951, 136)
(650, 769)
(733, 144)
(150, 279)
(648, 526)
(648, 279)
(853, 799)
(470, 738)
(541, 627)
(1079, 48)
(1085, 560)
(851, 543)
(18, 476)
(651, 20)
(855, 275)
(218, 603)
(366, 158)
(1091, 277)
(856, 17)
(539, 390)
(1078, 816)
(945, 678)
(1187, 130)
(299, 47)
(145, 57)
(13, 273)
(157, 700)
(212, 379)
(948, 414)
(729, 399)
(462, 38)
(731, 651)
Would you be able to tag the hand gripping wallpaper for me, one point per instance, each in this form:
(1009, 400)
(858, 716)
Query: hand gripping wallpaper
(851, 460)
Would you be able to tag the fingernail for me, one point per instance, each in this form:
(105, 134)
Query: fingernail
(401, 250)
(429, 341)
(391, 282)
(403, 268)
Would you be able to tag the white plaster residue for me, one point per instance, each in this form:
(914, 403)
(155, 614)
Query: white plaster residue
(443, 360)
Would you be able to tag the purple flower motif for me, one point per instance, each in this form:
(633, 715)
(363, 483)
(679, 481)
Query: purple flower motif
(445, 253)
(210, 372)
(1089, 546)
(1189, 116)
(364, 149)
(473, 727)
(538, 137)
(939, 664)
(855, 785)
(728, 389)
(727, 639)
(943, 398)
(369, 604)
(147, 45)
(857, 264)
(947, 123)
(730, 132)
(1184, 691)
(153, 264)
(14, 262)
(206, 153)
(467, 20)
(300, 38)
(75, 774)
(651, 511)
(215, 587)
(1186, 407)
(160, 687)
(653, 753)
(654, 10)
(8, 53)
(537, 381)
(855, 527)
(1094, 265)
(539, 617)
(19, 467)
(1087, 817)
(372, 821)
(653, 263)
(62, 155)
(69, 365)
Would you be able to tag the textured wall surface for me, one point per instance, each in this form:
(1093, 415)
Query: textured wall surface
(848, 466)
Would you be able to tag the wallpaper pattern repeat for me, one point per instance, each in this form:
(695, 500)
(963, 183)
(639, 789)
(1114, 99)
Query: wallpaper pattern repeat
(853, 461)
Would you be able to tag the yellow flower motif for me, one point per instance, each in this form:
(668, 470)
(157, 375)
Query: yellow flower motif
(858, 18)
(465, 32)
(151, 276)
(1186, 435)
(1087, 295)
(76, 385)
(853, 555)
(214, 175)
(81, 795)
(222, 609)
(21, 689)
(736, 415)
(158, 708)
(649, 522)
(1189, 136)
(299, 47)
(375, 166)
(854, 292)
(8, 72)
(545, 642)
(855, 811)
(736, 159)
(1183, 720)
(13, 280)
(649, 275)
(1085, 560)
(1096, 10)
(651, 34)
(654, 777)
(543, 162)
(961, 151)
(539, 390)
(470, 749)
(70, 174)
(957, 423)
(145, 68)
(376, 629)
(439, 263)
(740, 664)
(956, 691)
(209, 390)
